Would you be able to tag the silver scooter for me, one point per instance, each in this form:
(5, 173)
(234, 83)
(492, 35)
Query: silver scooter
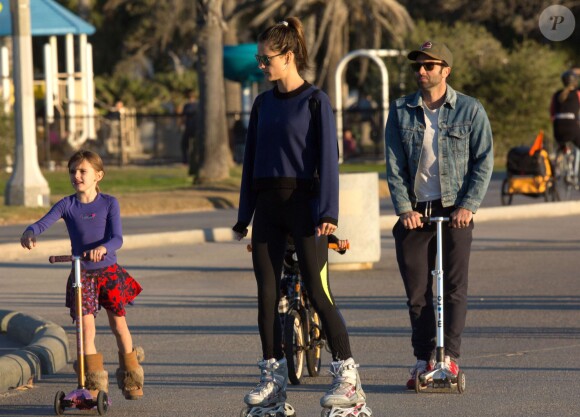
(439, 379)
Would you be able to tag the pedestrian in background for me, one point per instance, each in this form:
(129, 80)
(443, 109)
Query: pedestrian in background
(189, 145)
(565, 110)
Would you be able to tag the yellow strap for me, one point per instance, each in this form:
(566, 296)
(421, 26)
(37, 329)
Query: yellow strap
(324, 280)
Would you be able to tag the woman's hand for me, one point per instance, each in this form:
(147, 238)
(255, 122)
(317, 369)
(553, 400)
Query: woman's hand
(325, 229)
(343, 244)
(28, 240)
(240, 235)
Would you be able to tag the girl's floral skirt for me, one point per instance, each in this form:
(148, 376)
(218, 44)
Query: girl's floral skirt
(110, 287)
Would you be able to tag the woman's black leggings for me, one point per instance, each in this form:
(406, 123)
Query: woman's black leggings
(279, 213)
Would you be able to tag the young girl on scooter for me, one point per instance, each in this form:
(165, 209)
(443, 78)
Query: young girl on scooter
(93, 222)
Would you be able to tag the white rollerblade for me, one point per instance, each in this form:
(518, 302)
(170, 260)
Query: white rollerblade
(268, 398)
(346, 397)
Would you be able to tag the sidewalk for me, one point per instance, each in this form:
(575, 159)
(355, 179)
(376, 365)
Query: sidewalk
(32, 346)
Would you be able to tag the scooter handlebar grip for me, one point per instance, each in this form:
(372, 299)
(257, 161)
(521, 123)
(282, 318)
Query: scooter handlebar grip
(62, 258)
(335, 246)
(434, 219)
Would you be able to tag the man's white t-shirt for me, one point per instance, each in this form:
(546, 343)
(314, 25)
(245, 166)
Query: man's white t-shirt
(427, 183)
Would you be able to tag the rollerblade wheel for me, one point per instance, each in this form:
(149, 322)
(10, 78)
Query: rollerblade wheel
(102, 403)
(58, 403)
(367, 412)
(460, 382)
(288, 411)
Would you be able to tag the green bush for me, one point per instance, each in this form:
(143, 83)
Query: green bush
(162, 94)
(518, 99)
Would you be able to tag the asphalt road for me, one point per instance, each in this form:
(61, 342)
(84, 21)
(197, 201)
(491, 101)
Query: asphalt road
(197, 321)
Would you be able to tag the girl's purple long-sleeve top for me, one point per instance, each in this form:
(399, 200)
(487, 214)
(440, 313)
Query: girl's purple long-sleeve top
(89, 225)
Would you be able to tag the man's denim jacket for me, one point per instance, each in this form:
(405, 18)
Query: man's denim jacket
(465, 153)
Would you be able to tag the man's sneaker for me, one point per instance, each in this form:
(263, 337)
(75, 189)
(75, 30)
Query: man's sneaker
(346, 388)
(451, 365)
(420, 368)
(272, 386)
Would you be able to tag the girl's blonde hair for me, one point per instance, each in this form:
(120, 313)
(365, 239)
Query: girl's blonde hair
(91, 157)
(286, 36)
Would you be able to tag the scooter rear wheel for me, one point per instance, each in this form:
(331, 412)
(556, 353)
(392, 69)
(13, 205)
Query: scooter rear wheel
(460, 382)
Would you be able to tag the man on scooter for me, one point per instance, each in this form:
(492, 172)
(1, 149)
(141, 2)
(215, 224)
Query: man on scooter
(439, 152)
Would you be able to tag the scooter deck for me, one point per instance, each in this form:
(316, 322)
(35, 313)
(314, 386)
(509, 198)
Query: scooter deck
(440, 380)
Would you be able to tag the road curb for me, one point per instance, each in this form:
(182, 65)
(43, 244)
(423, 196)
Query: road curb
(46, 248)
(13, 251)
(46, 349)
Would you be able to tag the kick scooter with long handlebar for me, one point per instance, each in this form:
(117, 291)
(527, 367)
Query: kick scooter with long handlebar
(81, 397)
(439, 379)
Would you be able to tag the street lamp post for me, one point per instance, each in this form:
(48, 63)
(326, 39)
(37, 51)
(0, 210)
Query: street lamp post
(27, 186)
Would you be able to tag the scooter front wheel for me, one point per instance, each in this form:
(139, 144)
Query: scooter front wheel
(58, 403)
(102, 403)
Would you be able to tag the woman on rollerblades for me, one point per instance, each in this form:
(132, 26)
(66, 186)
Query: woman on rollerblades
(290, 186)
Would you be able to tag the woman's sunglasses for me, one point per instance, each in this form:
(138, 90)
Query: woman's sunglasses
(416, 66)
(265, 59)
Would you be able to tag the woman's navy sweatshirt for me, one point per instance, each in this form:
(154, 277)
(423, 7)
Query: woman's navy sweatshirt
(288, 145)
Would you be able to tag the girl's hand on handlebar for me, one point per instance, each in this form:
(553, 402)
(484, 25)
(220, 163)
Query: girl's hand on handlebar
(95, 255)
(411, 220)
(28, 240)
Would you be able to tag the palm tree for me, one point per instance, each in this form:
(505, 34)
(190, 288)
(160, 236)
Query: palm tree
(146, 35)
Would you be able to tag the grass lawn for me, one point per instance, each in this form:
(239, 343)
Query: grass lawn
(149, 190)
